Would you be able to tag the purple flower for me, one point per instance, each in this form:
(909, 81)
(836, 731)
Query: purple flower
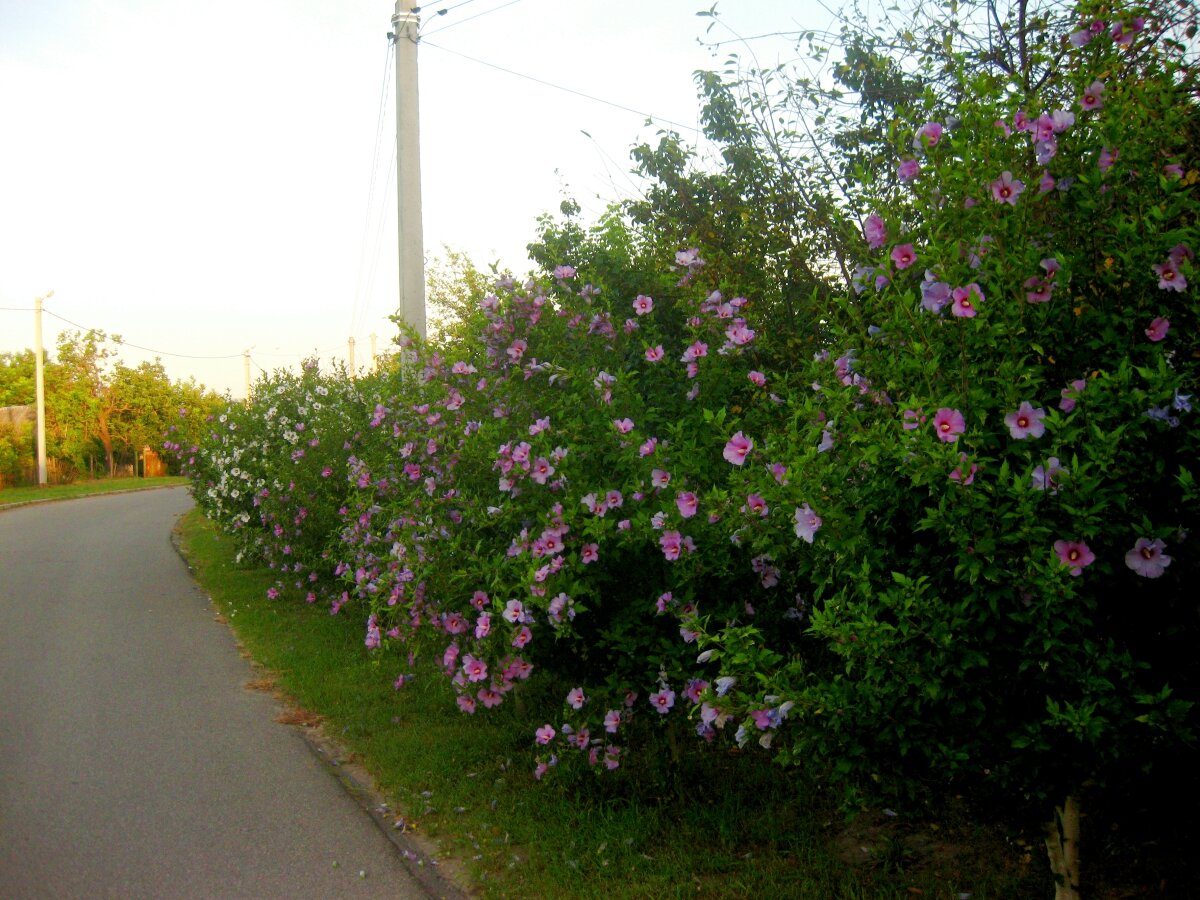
(908, 169)
(737, 448)
(474, 668)
(1169, 276)
(1123, 32)
(1070, 393)
(1158, 329)
(965, 299)
(643, 304)
(1108, 156)
(1093, 96)
(1074, 555)
(1061, 120)
(1038, 289)
(904, 256)
(671, 543)
(575, 698)
(624, 426)
(1026, 422)
(948, 424)
(1044, 477)
(1045, 149)
(875, 232)
(957, 473)
(807, 523)
(1147, 557)
(1006, 189)
(663, 700)
(928, 136)
(934, 294)
(545, 734)
(1043, 127)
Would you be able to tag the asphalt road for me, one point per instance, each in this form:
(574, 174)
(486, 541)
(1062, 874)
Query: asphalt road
(133, 761)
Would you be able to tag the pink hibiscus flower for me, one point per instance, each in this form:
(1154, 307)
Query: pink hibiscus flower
(1147, 557)
(1158, 329)
(1026, 422)
(1074, 555)
(737, 448)
(948, 424)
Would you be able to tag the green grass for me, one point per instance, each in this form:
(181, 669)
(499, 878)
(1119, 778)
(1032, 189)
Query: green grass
(13, 496)
(708, 825)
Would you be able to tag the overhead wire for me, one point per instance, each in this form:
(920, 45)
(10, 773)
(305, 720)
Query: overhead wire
(445, 9)
(125, 343)
(564, 89)
(384, 208)
(486, 12)
(381, 119)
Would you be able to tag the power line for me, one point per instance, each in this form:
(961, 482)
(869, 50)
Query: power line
(567, 90)
(124, 343)
(486, 12)
(445, 9)
(381, 119)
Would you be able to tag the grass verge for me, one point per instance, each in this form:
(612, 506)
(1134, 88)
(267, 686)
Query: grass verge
(16, 496)
(705, 825)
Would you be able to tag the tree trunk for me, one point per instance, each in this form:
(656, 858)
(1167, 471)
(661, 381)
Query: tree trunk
(106, 440)
(1062, 844)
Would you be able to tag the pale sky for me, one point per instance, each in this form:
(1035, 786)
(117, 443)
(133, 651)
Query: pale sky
(197, 177)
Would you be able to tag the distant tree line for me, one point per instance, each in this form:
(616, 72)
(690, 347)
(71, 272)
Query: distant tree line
(100, 412)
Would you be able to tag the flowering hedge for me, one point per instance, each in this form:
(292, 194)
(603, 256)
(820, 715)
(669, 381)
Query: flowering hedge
(272, 471)
(951, 548)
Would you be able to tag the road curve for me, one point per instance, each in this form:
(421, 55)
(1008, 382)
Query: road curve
(133, 762)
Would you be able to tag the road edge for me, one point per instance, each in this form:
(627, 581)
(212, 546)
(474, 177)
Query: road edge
(360, 786)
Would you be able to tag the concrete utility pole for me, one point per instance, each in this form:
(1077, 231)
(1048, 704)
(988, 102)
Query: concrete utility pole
(350, 346)
(40, 381)
(408, 168)
(246, 372)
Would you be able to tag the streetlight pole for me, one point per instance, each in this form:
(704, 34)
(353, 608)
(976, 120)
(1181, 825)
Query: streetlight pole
(408, 168)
